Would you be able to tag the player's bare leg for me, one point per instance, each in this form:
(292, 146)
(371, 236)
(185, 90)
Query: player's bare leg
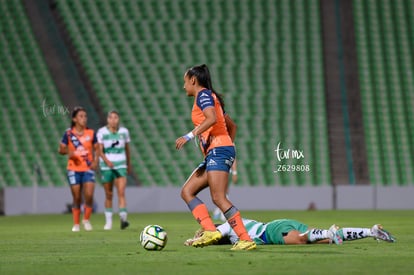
(88, 190)
(108, 187)
(76, 204)
(194, 184)
(295, 237)
(120, 184)
(218, 181)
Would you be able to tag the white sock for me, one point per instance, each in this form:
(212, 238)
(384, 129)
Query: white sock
(315, 235)
(108, 217)
(353, 233)
(123, 215)
(224, 229)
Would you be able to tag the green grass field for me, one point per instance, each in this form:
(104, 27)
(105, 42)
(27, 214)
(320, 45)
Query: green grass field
(44, 244)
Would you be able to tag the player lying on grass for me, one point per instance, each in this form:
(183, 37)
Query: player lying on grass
(286, 231)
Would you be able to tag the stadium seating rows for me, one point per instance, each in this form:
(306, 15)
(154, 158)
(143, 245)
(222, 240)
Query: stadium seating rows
(266, 61)
(386, 63)
(265, 57)
(30, 126)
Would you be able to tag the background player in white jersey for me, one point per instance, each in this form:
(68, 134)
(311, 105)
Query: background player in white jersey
(115, 166)
(287, 231)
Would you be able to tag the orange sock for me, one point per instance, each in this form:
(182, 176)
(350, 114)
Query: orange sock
(87, 212)
(237, 224)
(200, 213)
(76, 215)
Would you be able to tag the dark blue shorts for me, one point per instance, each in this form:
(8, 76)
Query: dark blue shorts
(80, 177)
(219, 159)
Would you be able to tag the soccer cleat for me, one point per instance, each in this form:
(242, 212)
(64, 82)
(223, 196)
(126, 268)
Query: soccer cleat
(198, 233)
(76, 228)
(244, 245)
(124, 224)
(334, 235)
(207, 238)
(379, 233)
(108, 226)
(87, 225)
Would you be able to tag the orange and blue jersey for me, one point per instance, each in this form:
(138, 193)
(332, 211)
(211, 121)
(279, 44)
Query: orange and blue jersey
(83, 145)
(217, 135)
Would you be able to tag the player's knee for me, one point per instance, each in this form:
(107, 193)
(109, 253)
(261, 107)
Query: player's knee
(76, 204)
(186, 194)
(77, 200)
(88, 197)
(109, 195)
(121, 193)
(303, 239)
(89, 200)
(183, 193)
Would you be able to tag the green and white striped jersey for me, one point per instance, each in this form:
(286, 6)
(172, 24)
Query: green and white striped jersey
(113, 146)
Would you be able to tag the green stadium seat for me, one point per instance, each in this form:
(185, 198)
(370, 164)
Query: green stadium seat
(382, 37)
(139, 51)
(26, 82)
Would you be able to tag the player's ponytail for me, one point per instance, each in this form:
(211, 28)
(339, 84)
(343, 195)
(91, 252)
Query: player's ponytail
(202, 74)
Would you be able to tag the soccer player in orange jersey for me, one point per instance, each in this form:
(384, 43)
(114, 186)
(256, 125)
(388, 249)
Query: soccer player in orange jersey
(209, 120)
(80, 144)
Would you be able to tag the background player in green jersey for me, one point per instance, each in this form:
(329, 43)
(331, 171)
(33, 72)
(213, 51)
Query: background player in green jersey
(115, 166)
(287, 231)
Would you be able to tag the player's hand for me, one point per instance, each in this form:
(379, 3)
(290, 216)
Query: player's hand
(94, 165)
(109, 163)
(129, 169)
(234, 178)
(73, 155)
(179, 143)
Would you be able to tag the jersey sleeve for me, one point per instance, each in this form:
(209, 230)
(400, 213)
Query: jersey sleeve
(99, 136)
(65, 139)
(94, 139)
(127, 137)
(205, 100)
